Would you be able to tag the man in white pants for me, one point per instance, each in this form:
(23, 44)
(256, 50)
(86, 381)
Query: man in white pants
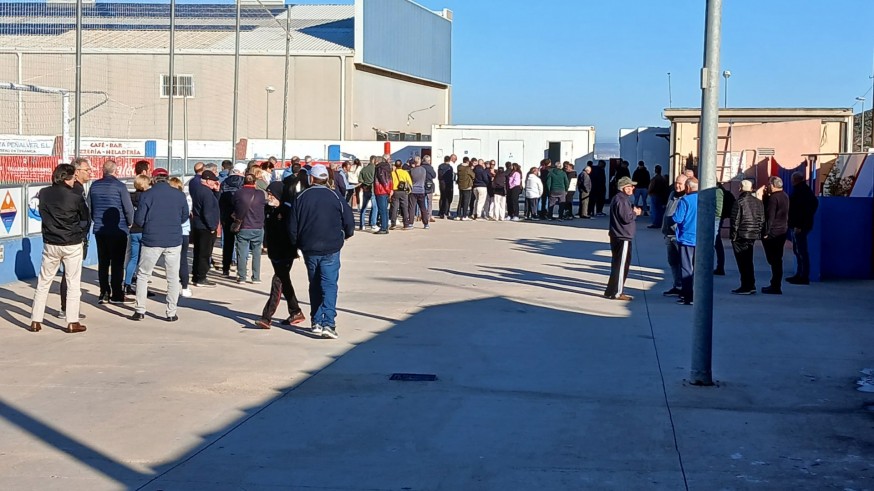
(161, 212)
(64, 226)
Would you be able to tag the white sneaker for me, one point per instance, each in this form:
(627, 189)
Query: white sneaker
(328, 332)
(185, 293)
(374, 228)
(317, 329)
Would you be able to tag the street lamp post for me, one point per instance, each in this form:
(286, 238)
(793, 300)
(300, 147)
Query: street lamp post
(726, 74)
(269, 89)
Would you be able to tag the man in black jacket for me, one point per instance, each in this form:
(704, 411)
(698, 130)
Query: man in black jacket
(802, 210)
(776, 228)
(584, 186)
(599, 189)
(446, 178)
(82, 175)
(64, 217)
(622, 229)
(319, 224)
(161, 212)
(205, 216)
(747, 220)
(231, 184)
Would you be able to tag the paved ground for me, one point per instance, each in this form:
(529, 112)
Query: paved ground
(541, 382)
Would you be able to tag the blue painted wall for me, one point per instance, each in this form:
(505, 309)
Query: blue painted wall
(841, 240)
(23, 257)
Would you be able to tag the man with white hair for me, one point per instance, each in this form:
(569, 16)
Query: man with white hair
(776, 229)
(686, 218)
(112, 214)
(669, 230)
(747, 219)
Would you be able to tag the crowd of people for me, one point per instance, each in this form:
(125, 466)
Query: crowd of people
(305, 210)
(767, 214)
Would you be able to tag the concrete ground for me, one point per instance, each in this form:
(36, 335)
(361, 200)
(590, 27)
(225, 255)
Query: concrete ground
(541, 383)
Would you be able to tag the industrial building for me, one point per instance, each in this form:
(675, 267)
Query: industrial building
(373, 70)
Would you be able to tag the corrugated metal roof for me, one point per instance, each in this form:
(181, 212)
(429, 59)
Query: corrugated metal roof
(124, 27)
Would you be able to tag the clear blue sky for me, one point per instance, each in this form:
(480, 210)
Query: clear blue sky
(605, 63)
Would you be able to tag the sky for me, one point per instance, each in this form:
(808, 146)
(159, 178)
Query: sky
(605, 63)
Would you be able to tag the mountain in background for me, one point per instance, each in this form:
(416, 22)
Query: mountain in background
(861, 121)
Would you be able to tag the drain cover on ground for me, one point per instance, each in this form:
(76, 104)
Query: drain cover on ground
(413, 377)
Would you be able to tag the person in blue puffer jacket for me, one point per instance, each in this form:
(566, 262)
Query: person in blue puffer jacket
(112, 214)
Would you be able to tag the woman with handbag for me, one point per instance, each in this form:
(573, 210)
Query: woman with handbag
(248, 223)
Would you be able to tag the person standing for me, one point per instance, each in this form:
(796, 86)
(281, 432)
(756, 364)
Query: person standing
(543, 173)
(82, 174)
(557, 184)
(184, 272)
(141, 184)
(622, 229)
(686, 219)
(745, 225)
(352, 194)
(776, 229)
(205, 216)
(481, 182)
(658, 192)
(366, 178)
(599, 189)
(641, 189)
(446, 180)
(401, 183)
(499, 187)
(566, 210)
(231, 184)
(64, 217)
(319, 224)
(341, 180)
(112, 214)
(584, 187)
(669, 230)
(382, 189)
(430, 175)
(282, 253)
(533, 192)
(249, 203)
(802, 211)
(514, 183)
(465, 179)
(161, 213)
(418, 197)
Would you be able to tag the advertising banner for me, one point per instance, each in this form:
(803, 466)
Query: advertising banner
(11, 212)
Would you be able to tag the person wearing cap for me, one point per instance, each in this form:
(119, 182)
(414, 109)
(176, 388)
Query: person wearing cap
(229, 187)
(745, 225)
(622, 229)
(281, 252)
(205, 217)
(686, 219)
(319, 224)
(161, 212)
(249, 205)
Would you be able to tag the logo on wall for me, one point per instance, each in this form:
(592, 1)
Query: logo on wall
(8, 212)
(33, 208)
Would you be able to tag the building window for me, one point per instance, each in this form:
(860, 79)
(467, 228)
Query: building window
(183, 86)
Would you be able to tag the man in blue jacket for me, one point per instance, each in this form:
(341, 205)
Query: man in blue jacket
(319, 224)
(112, 214)
(161, 212)
(686, 219)
(205, 216)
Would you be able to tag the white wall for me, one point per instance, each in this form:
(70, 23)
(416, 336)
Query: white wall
(645, 144)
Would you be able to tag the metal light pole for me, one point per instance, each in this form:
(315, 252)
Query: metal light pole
(861, 101)
(269, 89)
(726, 74)
(172, 88)
(670, 92)
(77, 136)
(185, 133)
(702, 333)
(285, 81)
(236, 83)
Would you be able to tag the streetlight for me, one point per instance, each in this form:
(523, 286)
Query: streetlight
(726, 74)
(269, 89)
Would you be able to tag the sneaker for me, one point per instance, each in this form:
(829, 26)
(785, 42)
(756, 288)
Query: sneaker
(185, 293)
(102, 299)
(382, 232)
(172, 318)
(374, 228)
(121, 301)
(767, 290)
(205, 284)
(328, 332)
(255, 282)
(263, 323)
(744, 291)
(673, 292)
(465, 219)
(427, 227)
(408, 227)
(62, 314)
(317, 329)
(294, 319)
(136, 316)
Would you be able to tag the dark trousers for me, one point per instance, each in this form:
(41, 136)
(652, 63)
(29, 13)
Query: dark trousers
(513, 202)
(203, 241)
(281, 286)
(399, 203)
(584, 205)
(464, 203)
(619, 266)
(545, 207)
(111, 249)
(802, 256)
(531, 207)
(555, 200)
(743, 254)
(687, 271)
(596, 202)
(414, 200)
(566, 209)
(183, 262)
(447, 192)
(229, 239)
(719, 249)
(774, 253)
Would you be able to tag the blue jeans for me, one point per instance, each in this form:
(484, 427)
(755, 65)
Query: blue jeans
(133, 258)
(382, 204)
(640, 194)
(687, 270)
(249, 241)
(657, 210)
(802, 255)
(369, 198)
(323, 273)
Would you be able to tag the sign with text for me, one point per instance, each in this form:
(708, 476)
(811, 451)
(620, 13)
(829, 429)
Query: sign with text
(26, 145)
